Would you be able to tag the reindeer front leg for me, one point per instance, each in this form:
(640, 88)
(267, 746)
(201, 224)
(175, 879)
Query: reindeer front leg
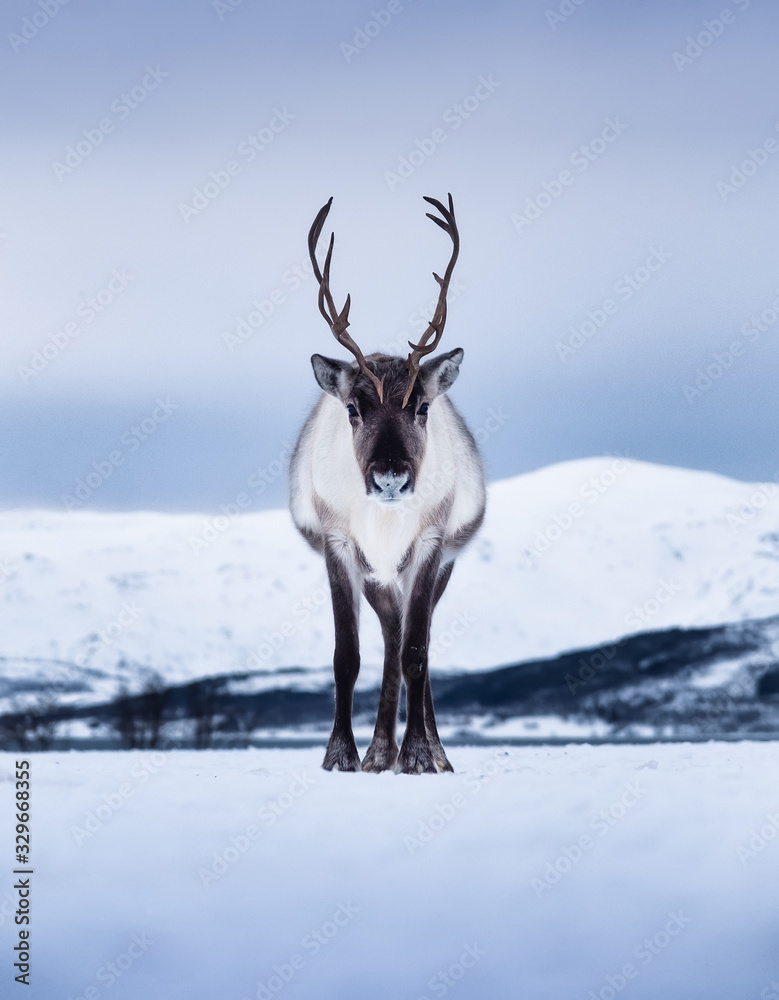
(383, 751)
(341, 752)
(417, 750)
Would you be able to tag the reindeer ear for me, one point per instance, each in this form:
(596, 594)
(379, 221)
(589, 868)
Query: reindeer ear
(439, 374)
(335, 377)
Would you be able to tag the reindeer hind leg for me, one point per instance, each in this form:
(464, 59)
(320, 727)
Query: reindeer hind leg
(439, 755)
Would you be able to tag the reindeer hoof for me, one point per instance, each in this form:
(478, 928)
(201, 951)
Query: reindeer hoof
(341, 755)
(415, 757)
(381, 756)
(439, 754)
(440, 758)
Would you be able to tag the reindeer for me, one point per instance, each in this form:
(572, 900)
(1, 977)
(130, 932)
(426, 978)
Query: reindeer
(386, 481)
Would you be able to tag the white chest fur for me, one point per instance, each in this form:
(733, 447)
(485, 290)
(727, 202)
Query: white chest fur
(449, 480)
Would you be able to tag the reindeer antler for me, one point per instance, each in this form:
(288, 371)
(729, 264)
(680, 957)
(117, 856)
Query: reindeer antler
(420, 350)
(337, 322)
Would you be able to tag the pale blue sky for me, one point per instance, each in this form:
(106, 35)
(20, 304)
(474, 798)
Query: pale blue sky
(175, 91)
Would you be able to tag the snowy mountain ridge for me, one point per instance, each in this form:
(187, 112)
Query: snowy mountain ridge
(570, 556)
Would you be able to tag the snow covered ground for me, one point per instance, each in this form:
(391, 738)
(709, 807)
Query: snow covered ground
(570, 556)
(549, 873)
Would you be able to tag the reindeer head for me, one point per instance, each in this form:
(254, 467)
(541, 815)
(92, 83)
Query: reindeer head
(386, 399)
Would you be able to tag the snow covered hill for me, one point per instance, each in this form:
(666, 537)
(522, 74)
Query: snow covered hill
(570, 556)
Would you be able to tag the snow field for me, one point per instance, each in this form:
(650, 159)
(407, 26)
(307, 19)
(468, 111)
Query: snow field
(551, 872)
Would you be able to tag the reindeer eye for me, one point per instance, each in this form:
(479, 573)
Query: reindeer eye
(422, 411)
(351, 410)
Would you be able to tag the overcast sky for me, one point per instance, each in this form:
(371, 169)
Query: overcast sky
(609, 250)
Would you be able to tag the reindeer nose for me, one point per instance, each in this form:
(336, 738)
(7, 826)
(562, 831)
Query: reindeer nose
(390, 485)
